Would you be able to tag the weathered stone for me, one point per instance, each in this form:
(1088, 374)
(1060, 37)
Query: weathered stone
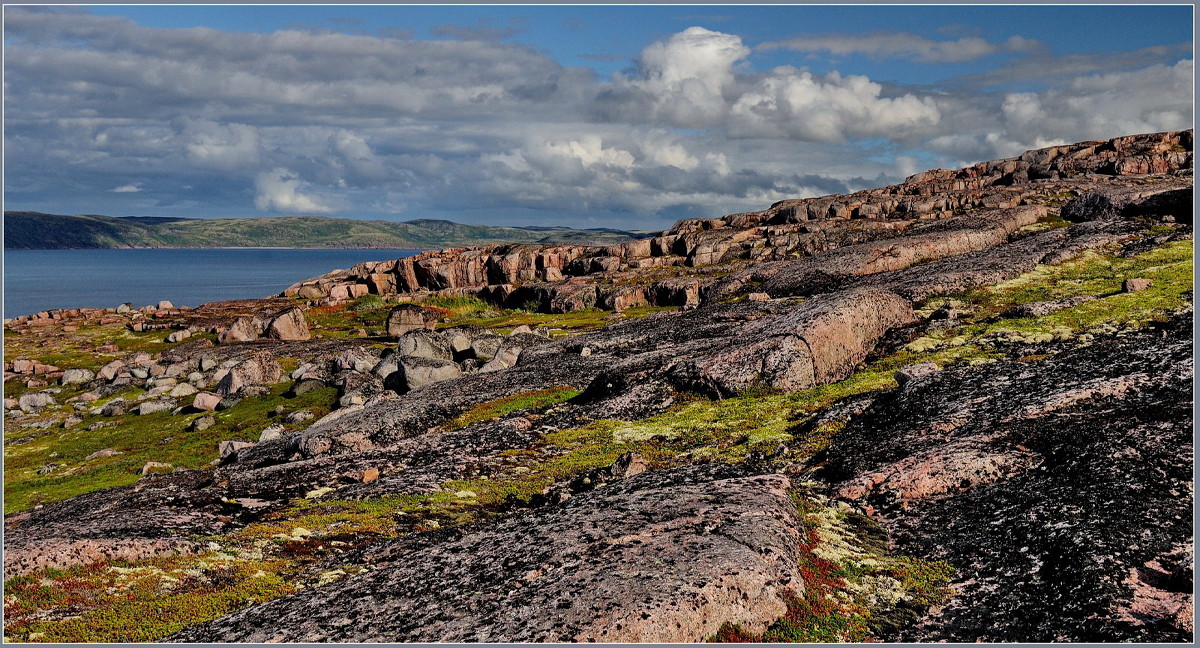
(271, 432)
(153, 407)
(202, 423)
(622, 583)
(35, 401)
(410, 317)
(103, 454)
(76, 377)
(423, 344)
(242, 330)
(206, 401)
(415, 372)
(182, 389)
(912, 372)
(1137, 284)
(288, 325)
(259, 369)
(228, 450)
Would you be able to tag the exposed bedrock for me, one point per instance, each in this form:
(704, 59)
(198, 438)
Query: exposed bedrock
(1046, 488)
(661, 557)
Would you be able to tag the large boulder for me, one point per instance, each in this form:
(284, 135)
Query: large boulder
(288, 325)
(410, 317)
(816, 343)
(260, 369)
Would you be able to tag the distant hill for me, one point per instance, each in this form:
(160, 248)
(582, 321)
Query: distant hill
(36, 230)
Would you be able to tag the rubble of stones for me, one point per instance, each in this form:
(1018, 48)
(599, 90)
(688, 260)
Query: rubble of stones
(1059, 489)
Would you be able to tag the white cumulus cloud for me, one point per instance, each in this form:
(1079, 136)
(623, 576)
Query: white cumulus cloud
(281, 190)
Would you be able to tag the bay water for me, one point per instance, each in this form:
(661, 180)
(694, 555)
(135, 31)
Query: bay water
(37, 280)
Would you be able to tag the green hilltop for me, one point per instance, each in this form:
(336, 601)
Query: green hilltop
(36, 230)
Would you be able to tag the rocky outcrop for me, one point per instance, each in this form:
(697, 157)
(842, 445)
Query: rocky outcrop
(984, 204)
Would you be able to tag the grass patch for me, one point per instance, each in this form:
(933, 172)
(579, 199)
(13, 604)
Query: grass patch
(515, 403)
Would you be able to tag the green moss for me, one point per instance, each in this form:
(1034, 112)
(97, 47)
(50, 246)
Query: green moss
(515, 403)
(154, 437)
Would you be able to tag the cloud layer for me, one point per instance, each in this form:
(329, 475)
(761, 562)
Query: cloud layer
(479, 128)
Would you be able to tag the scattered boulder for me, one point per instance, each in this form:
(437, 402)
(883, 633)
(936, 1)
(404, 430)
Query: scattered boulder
(35, 401)
(299, 416)
(305, 386)
(202, 423)
(485, 347)
(410, 317)
(288, 325)
(76, 377)
(152, 407)
(271, 432)
(182, 389)
(415, 372)
(103, 454)
(242, 330)
(423, 344)
(179, 336)
(259, 369)
(206, 401)
(165, 305)
(115, 407)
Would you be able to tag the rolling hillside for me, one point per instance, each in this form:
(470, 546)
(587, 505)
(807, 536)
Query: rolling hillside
(35, 230)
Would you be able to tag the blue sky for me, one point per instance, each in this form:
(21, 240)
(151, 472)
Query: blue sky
(628, 116)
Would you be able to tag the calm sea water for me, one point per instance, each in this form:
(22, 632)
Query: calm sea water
(36, 280)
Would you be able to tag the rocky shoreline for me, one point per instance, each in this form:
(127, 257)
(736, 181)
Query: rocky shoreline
(955, 409)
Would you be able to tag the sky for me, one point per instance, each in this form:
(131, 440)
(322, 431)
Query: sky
(587, 116)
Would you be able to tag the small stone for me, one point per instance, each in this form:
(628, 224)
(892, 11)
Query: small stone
(103, 454)
(201, 423)
(1137, 284)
